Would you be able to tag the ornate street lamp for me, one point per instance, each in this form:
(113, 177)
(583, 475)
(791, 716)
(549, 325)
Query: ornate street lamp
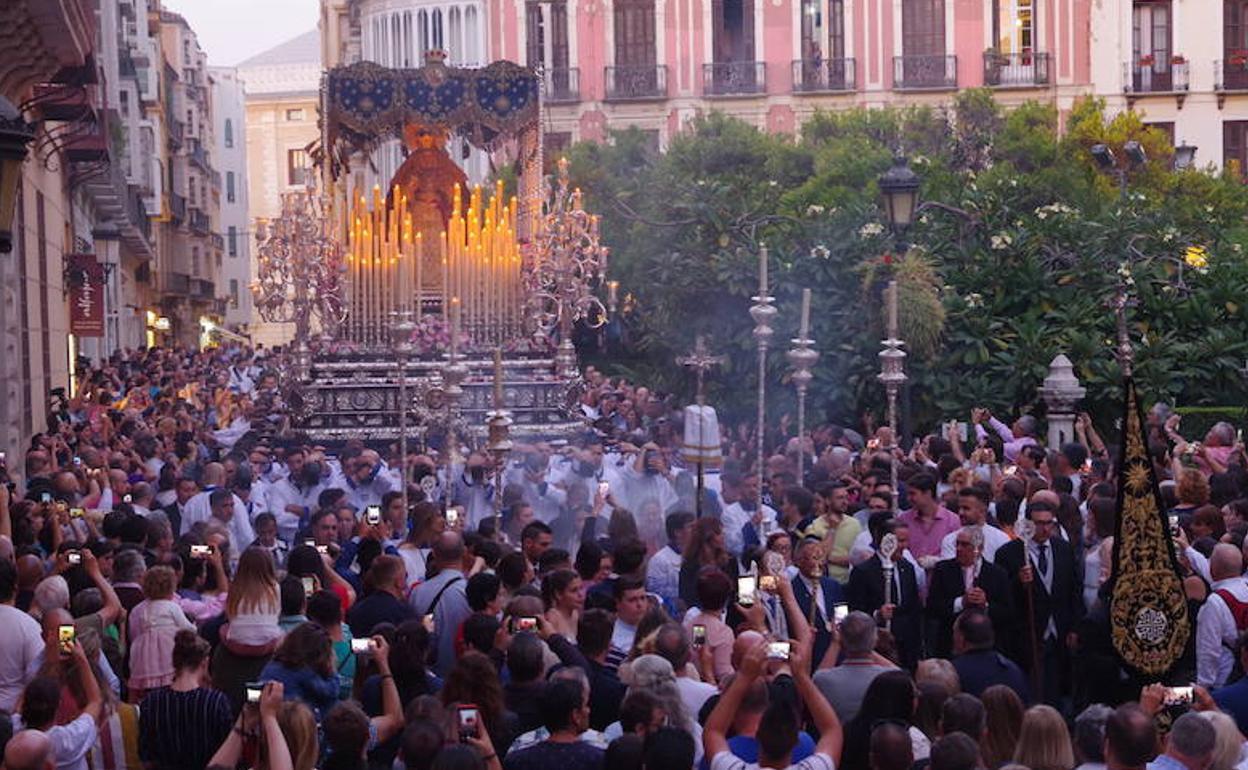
(1184, 156)
(15, 134)
(802, 358)
(900, 188)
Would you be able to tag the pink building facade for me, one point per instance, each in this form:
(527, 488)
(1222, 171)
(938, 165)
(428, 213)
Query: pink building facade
(657, 63)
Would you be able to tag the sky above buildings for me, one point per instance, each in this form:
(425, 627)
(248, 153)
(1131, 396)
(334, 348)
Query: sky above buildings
(233, 30)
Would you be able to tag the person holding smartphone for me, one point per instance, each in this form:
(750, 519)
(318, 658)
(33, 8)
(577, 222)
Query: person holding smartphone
(714, 591)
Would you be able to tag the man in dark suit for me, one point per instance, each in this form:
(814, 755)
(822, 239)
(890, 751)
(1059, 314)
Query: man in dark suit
(902, 611)
(964, 582)
(979, 666)
(817, 595)
(186, 488)
(1044, 567)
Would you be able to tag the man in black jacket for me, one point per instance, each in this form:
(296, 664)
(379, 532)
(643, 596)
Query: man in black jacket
(901, 609)
(966, 581)
(979, 666)
(1044, 567)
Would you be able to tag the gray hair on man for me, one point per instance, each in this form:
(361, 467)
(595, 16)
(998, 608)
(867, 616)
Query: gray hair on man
(858, 634)
(1192, 739)
(1089, 735)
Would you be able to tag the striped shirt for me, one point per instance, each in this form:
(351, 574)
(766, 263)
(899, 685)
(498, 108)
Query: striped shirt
(182, 730)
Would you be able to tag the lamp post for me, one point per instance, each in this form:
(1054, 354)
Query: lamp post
(15, 134)
(401, 328)
(763, 313)
(899, 187)
(1184, 156)
(802, 357)
(1108, 163)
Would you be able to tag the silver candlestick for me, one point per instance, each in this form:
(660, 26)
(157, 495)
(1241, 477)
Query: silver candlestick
(401, 328)
(802, 357)
(763, 313)
(893, 376)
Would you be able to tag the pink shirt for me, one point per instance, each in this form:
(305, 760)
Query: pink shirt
(719, 638)
(925, 536)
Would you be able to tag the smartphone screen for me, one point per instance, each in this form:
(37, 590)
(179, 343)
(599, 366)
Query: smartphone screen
(604, 489)
(201, 551)
(746, 586)
(73, 557)
(839, 611)
(77, 513)
(362, 645)
(1178, 696)
(526, 624)
(699, 634)
(309, 586)
(65, 638)
(452, 516)
(372, 515)
(767, 583)
(778, 650)
(253, 691)
(469, 721)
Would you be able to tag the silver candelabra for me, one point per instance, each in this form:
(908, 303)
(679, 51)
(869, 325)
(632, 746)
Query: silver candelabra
(802, 358)
(893, 376)
(401, 327)
(763, 314)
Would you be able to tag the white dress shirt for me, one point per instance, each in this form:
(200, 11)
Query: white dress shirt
(1216, 634)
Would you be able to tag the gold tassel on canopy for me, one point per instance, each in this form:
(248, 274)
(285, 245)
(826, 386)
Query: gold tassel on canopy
(1148, 608)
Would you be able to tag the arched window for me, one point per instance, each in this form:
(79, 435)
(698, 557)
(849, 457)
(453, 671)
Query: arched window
(438, 41)
(455, 32)
(229, 132)
(422, 22)
(471, 53)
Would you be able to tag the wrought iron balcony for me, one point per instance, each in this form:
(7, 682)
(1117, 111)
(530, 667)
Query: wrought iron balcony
(201, 289)
(1016, 70)
(177, 283)
(925, 73)
(824, 76)
(177, 208)
(200, 222)
(636, 82)
(1148, 75)
(562, 85)
(1231, 74)
(198, 155)
(734, 78)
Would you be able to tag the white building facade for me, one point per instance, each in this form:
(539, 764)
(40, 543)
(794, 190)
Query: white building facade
(229, 113)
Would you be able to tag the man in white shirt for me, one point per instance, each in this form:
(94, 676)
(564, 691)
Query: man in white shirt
(71, 742)
(663, 570)
(1217, 623)
(631, 605)
(294, 497)
(21, 640)
(973, 510)
(366, 482)
(741, 505)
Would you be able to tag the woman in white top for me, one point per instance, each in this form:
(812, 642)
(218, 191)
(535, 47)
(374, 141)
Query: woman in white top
(427, 523)
(253, 605)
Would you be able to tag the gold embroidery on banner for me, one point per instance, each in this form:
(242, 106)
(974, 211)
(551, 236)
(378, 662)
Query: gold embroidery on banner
(1148, 607)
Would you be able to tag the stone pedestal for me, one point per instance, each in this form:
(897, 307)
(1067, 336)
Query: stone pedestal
(1062, 393)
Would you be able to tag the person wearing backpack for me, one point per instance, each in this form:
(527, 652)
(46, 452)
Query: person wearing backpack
(444, 597)
(1222, 618)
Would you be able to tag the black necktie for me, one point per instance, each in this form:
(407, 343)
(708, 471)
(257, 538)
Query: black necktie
(1042, 561)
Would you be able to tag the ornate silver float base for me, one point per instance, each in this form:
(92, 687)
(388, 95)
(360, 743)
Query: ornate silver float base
(356, 396)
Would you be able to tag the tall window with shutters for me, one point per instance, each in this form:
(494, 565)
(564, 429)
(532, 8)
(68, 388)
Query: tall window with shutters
(546, 28)
(635, 72)
(923, 44)
(823, 45)
(1235, 45)
(1151, 34)
(1235, 146)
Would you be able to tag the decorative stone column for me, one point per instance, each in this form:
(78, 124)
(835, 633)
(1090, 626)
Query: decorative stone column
(1062, 393)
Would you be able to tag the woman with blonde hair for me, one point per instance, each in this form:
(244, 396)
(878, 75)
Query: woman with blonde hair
(253, 606)
(154, 624)
(1005, 718)
(285, 731)
(1043, 741)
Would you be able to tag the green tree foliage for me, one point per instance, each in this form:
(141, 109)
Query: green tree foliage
(1011, 262)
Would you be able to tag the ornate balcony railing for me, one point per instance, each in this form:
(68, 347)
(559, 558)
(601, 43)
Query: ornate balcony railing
(926, 72)
(1016, 70)
(1231, 74)
(631, 83)
(1150, 76)
(734, 78)
(824, 76)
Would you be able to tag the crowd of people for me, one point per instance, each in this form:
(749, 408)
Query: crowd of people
(186, 583)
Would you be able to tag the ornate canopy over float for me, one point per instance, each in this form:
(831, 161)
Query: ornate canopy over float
(428, 298)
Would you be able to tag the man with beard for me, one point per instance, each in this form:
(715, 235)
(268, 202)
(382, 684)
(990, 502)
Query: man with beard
(293, 498)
